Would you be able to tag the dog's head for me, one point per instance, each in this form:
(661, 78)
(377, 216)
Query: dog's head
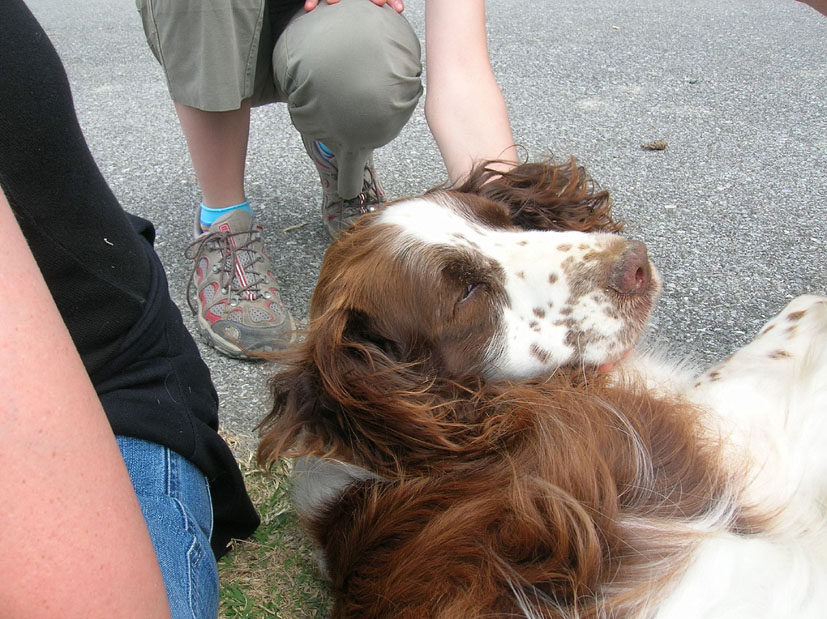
(511, 275)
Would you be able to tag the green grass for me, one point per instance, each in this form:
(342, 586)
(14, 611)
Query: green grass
(273, 573)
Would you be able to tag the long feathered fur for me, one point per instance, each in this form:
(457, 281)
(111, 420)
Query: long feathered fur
(575, 494)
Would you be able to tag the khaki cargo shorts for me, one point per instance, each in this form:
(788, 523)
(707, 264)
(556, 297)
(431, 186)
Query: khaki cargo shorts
(349, 72)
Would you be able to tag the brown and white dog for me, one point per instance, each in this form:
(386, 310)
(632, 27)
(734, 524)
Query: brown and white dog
(478, 438)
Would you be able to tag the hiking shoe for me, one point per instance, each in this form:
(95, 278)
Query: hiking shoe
(338, 213)
(233, 292)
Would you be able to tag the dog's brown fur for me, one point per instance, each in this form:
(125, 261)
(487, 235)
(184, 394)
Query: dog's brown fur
(534, 497)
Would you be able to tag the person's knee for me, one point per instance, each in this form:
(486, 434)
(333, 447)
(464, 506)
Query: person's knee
(353, 66)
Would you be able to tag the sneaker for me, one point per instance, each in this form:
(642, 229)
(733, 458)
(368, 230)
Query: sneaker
(233, 292)
(339, 214)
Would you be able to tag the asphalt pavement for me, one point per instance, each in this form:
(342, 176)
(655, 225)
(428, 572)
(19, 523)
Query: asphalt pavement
(733, 210)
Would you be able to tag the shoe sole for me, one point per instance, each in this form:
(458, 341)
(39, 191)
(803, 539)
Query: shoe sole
(231, 349)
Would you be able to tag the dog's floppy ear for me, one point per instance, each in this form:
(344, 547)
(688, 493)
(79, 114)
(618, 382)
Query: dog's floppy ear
(345, 393)
(545, 195)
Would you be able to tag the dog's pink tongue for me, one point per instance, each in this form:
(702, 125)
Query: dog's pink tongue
(608, 367)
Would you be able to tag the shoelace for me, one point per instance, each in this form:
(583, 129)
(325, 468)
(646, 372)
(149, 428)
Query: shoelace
(230, 266)
(366, 201)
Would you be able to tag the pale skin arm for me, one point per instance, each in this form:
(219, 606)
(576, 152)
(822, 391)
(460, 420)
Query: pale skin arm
(464, 106)
(74, 541)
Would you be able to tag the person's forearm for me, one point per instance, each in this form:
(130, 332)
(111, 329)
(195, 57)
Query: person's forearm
(464, 106)
(74, 541)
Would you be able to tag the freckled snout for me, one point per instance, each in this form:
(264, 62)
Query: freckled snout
(631, 274)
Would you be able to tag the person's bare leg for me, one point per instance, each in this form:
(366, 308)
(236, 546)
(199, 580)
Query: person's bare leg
(235, 323)
(217, 143)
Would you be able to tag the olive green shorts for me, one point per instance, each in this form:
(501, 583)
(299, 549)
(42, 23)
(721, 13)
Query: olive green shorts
(349, 72)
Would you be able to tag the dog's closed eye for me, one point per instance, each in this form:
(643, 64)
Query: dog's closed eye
(469, 290)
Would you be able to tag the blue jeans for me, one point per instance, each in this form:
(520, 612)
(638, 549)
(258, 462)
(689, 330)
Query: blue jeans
(175, 500)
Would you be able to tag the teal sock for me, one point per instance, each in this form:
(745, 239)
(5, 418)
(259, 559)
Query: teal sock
(209, 215)
(326, 152)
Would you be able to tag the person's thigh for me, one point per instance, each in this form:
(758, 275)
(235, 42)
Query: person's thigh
(175, 499)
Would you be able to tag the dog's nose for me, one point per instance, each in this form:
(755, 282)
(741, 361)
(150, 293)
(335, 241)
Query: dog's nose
(631, 273)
